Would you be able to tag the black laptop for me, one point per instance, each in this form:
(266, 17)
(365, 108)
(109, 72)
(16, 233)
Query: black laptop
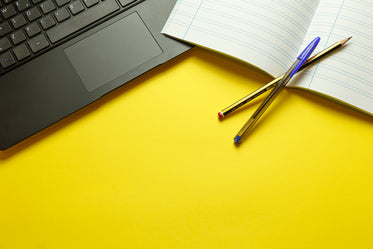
(57, 56)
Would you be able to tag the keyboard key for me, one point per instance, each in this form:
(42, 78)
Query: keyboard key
(23, 4)
(17, 37)
(8, 11)
(5, 28)
(38, 43)
(76, 7)
(82, 20)
(62, 2)
(90, 3)
(33, 14)
(36, 1)
(32, 29)
(126, 2)
(4, 44)
(18, 21)
(47, 22)
(61, 15)
(7, 59)
(47, 6)
(21, 52)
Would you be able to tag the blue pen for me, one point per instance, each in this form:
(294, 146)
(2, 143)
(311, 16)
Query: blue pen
(281, 85)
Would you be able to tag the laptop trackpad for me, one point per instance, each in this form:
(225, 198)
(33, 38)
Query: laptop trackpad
(112, 51)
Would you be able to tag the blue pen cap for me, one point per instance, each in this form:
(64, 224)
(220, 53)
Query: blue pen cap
(303, 57)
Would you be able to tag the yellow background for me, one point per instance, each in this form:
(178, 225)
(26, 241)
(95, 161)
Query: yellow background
(151, 166)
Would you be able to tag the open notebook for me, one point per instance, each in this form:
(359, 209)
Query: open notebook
(269, 34)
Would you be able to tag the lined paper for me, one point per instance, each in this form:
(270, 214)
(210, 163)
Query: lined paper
(269, 34)
(348, 74)
(266, 33)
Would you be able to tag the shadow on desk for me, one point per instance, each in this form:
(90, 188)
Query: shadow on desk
(125, 89)
(219, 62)
(316, 99)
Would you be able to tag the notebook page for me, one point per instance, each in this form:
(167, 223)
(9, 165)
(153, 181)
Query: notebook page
(265, 33)
(347, 74)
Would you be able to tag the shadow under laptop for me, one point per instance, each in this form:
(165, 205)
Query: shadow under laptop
(61, 124)
(219, 62)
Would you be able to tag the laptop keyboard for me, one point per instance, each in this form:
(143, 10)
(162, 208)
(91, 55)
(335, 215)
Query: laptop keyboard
(30, 27)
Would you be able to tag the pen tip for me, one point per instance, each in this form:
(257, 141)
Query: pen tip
(237, 139)
(221, 115)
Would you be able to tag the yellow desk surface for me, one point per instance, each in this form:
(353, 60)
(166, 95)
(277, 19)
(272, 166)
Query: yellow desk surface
(151, 166)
